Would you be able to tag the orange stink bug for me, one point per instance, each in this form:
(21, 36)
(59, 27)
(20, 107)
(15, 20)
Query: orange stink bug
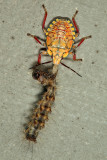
(60, 39)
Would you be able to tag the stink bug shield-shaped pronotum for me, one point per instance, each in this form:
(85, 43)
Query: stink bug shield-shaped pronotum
(60, 41)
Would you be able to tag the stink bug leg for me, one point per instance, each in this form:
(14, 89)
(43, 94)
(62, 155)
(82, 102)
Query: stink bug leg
(80, 41)
(39, 58)
(45, 16)
(75, 59)
(36, 38)
(74, 22)
(74, 56)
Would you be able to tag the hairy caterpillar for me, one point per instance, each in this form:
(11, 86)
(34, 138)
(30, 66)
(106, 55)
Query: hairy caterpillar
(43, 107)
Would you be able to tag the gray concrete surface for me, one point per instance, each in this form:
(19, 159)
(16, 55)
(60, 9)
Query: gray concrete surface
(77, 127)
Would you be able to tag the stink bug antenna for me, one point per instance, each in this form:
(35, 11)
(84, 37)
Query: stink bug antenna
(71, 69)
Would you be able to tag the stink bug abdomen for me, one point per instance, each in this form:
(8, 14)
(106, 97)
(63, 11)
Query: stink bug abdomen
(60, 36)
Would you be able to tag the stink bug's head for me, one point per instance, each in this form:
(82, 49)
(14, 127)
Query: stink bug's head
(57, 54)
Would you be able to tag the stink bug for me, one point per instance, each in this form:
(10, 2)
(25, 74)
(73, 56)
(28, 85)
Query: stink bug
(60, 38)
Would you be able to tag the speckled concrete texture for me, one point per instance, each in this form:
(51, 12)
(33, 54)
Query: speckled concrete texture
(77, 126)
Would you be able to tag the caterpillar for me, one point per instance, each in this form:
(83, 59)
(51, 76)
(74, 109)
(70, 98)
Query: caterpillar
(43, 107)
